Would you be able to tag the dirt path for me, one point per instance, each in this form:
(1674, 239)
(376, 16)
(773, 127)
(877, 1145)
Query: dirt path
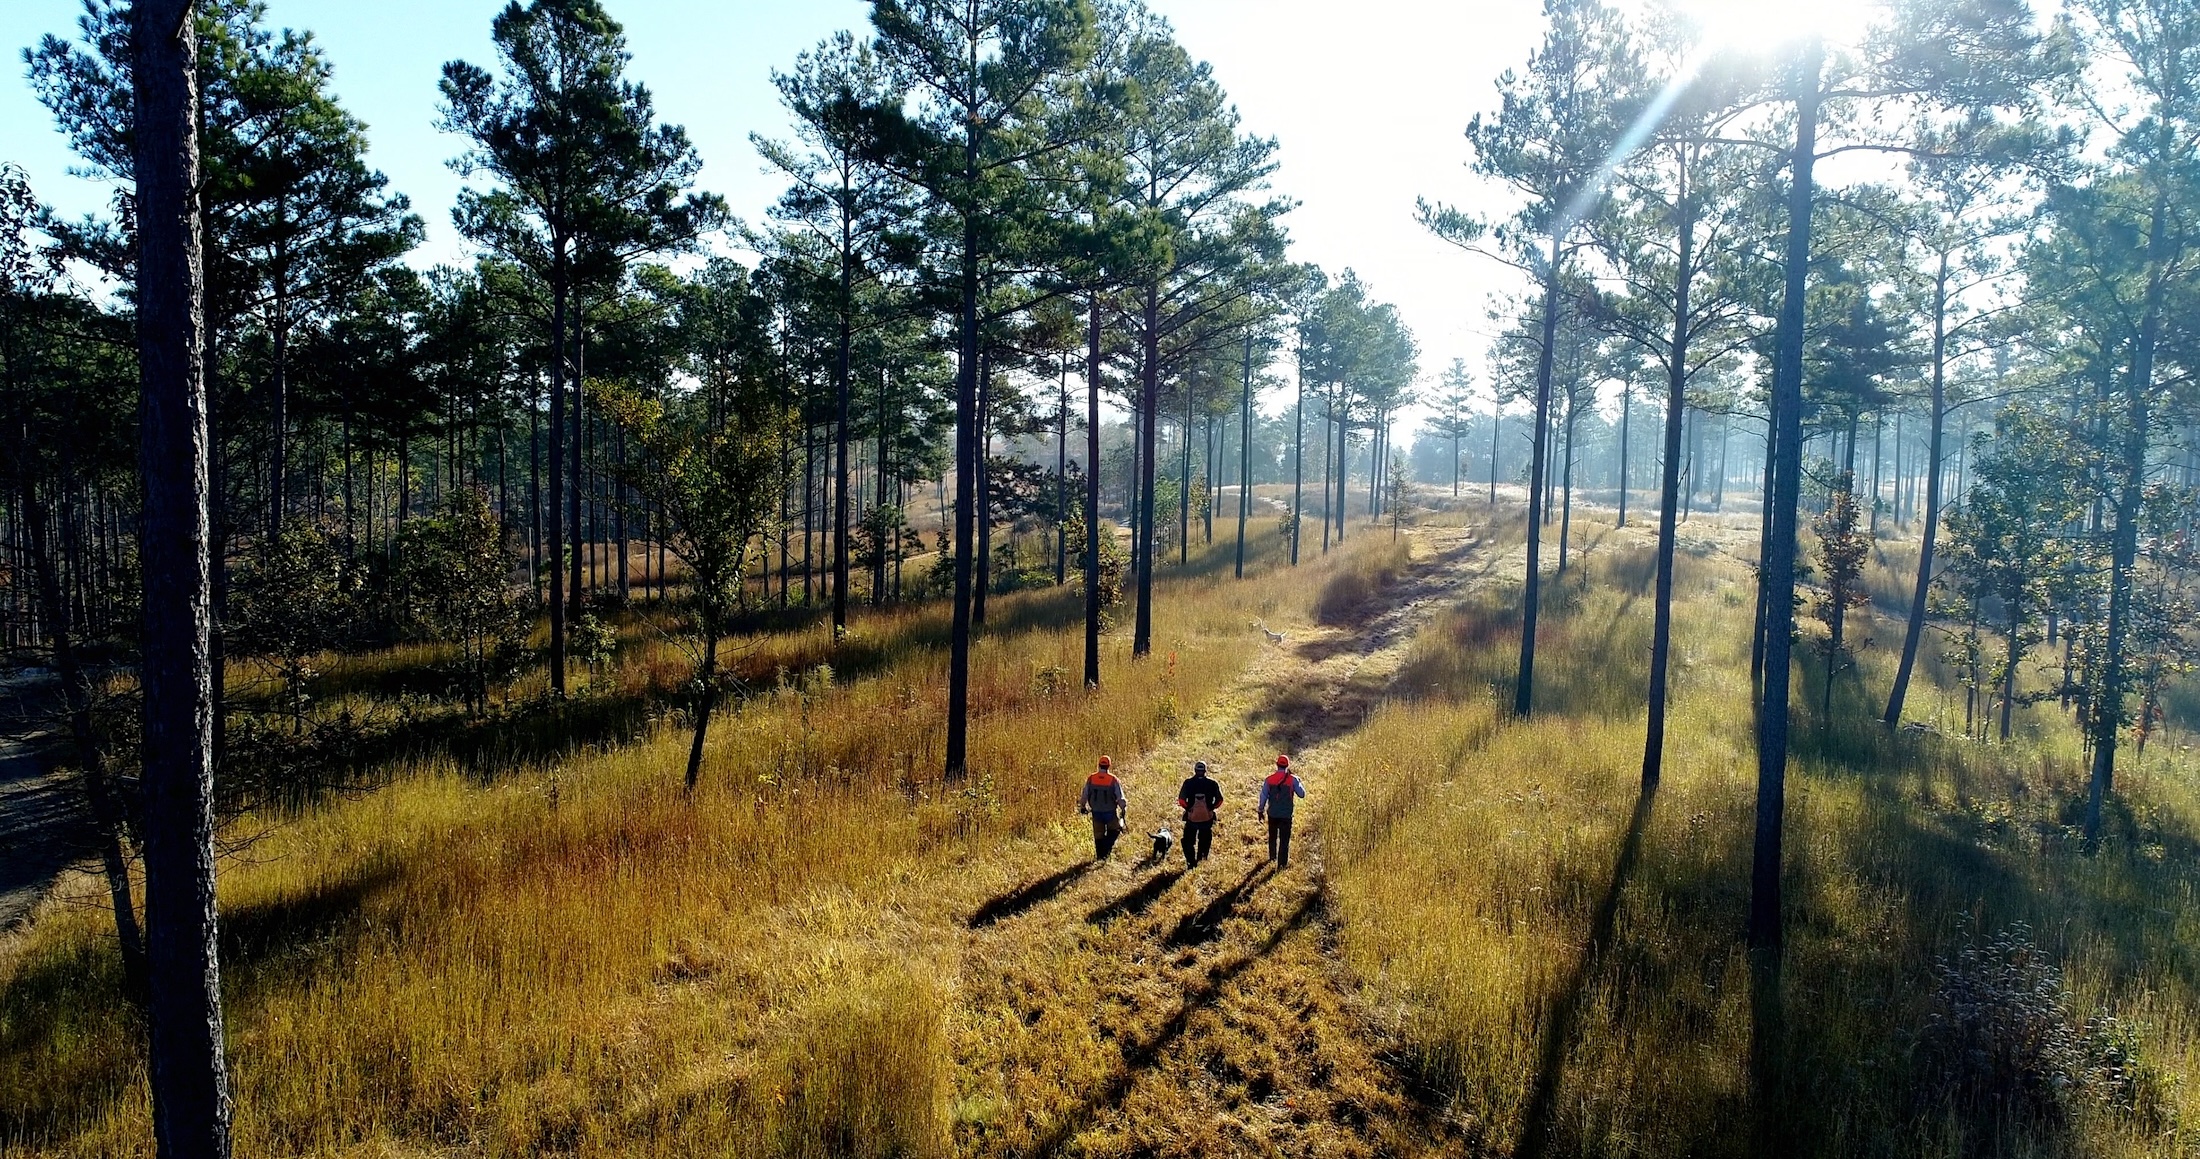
(44, 827)
(1136, 1009)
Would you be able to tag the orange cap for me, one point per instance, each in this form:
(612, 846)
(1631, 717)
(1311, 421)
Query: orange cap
(1283, 762)
(1105, 763)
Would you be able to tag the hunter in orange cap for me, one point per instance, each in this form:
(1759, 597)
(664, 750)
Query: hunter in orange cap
(1279, 795)
(1104, 799)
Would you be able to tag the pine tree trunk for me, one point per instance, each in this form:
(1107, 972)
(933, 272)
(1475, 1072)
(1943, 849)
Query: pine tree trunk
(1245, 457)
(1936, 427)
(966, 443)
(842, 391)
(576, 588)
(1149, 393)
(554, 515)
(1531, 599)
(187, 1069)
(1298, 459)
(983, 585)
(1092, 494)
(1778, 568)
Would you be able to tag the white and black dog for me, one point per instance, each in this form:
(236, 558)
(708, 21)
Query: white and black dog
(1160, 844)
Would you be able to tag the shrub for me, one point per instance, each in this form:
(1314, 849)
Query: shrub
(2002, 1040)
(452, 581)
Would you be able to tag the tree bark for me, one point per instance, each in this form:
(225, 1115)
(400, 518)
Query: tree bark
(1778, 568)
(1092, 494)
(1149, 391)
(576, 587)
(554, 516)
(1914, 632)
(187, 1069)
(1245, 458)
(840, 429)
(706, 699)
(1669, 482)
(1298, 458)
(1531, 599)
(966, 444)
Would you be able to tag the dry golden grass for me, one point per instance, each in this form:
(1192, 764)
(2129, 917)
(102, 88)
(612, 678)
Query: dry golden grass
(575, 958)
(1473, 881)
(582, 959)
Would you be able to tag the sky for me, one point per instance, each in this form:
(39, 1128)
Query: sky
(1368, 101)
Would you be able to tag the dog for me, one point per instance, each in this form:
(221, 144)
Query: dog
(1273, 637)
(1161, 842)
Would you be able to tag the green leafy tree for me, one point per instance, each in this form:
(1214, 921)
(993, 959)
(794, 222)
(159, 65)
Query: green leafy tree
(2124, 257)
(980, 74)
(293, 601)
(2012, 536)
(710, 462)
(844, 98)
(1843, 549)
(452, 581)
(1190, 174)
(1454, 415)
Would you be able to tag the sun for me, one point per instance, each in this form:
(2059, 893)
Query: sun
(1746, 25)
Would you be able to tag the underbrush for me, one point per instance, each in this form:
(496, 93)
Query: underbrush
(577, 957)
(1561, 960)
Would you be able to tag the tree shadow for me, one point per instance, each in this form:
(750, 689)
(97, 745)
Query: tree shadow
(1028, 894)
(66, 1007)
(1538, 1121)
(1205, 923)
(1140, 1057)
(277, 941)
(1137, 901)
(1308, 712)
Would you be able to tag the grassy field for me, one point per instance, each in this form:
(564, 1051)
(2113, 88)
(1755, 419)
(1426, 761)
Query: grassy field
(1487, 943)
(576, 956)
(1562, 956)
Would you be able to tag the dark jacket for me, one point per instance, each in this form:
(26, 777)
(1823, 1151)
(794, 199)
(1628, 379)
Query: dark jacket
(1196, 786)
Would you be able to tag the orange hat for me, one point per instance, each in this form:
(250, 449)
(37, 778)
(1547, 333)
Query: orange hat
(1283, 762)
(1105, 763)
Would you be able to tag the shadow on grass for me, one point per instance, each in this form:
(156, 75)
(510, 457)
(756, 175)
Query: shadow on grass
(1028, 894)
(1558, 1025)
(1308, 712)
(279, 941)
(1205, 923)
(1137, 901)
(69, 1044)
(1140, 1057)
(63, 1014)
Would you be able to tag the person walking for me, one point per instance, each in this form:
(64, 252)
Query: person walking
(1103, 798)
(1278, 799)
(1201, 799)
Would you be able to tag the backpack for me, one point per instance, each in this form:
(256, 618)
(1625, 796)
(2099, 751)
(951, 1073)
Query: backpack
(1200, 811)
